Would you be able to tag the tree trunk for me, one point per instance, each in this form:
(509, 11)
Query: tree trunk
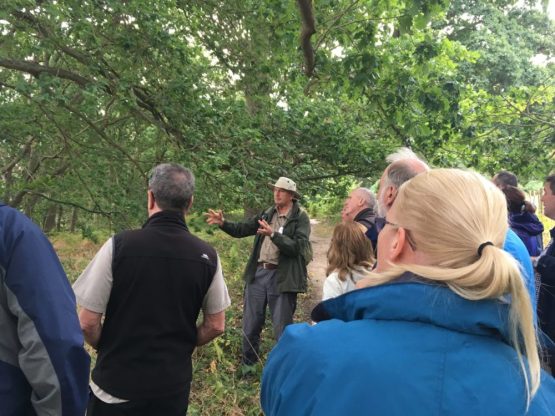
(73, 223)
(49, 222)
(30, 203)
(59, 219)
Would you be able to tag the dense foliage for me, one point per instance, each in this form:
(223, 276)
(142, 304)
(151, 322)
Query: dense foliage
(93, 93)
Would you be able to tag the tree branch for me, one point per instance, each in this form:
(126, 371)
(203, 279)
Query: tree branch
(71, 204)
(36, 70)
(307, 30)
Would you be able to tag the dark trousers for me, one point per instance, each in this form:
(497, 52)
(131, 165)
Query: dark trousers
(175, 405)
(261, 292)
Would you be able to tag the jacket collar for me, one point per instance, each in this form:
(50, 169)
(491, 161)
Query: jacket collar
(164, 218)
(365, 213)
(411, 299)
(294, 212)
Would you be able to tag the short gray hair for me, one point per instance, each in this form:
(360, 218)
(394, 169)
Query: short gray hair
(405, 165)
(402, 153)
(172, 186)
(367, 196)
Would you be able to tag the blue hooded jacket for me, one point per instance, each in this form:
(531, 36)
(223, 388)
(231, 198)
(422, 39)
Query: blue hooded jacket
(44, 368)
(399, 349)
(528, 227)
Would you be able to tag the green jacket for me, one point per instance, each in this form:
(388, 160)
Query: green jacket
(295, 250)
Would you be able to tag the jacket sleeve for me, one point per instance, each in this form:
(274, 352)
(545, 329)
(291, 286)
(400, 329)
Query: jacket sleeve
(241, 229)
(546, 269)
(51, 353)
(299, 243)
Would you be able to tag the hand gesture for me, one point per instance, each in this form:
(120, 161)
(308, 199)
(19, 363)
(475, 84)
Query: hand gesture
(214, 217)
(264, 228)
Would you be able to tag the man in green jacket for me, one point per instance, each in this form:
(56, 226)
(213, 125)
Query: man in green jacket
(276, 270)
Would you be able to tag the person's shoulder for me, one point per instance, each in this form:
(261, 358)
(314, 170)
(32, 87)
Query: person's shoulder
(207, 252)
(333, 275)
(200, 242)
(16, 226)
(12, 219)
(514, 245)
(332, 280)
(301, 211)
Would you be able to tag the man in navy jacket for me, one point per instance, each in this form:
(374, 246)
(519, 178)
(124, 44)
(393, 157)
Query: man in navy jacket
(545, 266)
(359, 207)
(44, 369)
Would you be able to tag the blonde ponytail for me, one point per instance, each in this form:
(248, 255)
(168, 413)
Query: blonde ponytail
(450, 213)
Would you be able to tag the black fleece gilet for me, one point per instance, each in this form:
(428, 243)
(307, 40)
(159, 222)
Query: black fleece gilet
(161, 274)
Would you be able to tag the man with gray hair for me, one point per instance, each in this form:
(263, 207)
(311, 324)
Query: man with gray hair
(404, 165)
(150, 285)
(359, 207)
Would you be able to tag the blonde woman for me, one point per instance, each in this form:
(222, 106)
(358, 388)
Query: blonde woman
(350, 258)
(443, 327)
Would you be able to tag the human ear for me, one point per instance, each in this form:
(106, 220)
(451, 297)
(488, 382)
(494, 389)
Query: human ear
(190, 203)
(390, 194)
(150, 199)
(399, 245)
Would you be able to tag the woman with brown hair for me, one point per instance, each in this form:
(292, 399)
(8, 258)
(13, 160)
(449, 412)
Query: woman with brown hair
(522, 219)
(350, 258)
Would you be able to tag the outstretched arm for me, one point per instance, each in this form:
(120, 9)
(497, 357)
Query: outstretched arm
(214, 217)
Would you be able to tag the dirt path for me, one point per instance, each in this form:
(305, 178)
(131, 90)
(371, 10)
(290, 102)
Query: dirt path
(320, 237)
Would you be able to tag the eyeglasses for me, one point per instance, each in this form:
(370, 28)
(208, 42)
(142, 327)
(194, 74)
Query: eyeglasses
(381, 222)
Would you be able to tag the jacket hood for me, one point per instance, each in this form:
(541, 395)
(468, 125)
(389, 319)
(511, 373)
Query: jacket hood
(526, 222)
(417, 301)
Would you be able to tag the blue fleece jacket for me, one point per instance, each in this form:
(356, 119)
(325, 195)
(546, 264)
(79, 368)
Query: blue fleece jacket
(404, 348)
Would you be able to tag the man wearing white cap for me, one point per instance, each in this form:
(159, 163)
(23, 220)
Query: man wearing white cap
(276, 270)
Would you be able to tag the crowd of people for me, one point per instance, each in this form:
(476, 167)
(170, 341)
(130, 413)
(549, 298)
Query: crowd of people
(438, 299)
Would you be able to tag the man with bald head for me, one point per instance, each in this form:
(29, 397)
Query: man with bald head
(359, 207)
(404, 165)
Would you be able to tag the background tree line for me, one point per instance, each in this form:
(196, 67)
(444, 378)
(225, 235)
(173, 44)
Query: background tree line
(93, 93)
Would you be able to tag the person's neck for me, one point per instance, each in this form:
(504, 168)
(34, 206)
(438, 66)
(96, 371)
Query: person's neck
(153, 210)
(284, 209)
(156, 210)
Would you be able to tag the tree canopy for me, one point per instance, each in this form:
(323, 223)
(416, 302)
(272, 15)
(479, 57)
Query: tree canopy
(94, 93)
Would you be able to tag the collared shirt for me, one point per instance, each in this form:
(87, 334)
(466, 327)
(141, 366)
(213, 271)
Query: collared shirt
(269, 253)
